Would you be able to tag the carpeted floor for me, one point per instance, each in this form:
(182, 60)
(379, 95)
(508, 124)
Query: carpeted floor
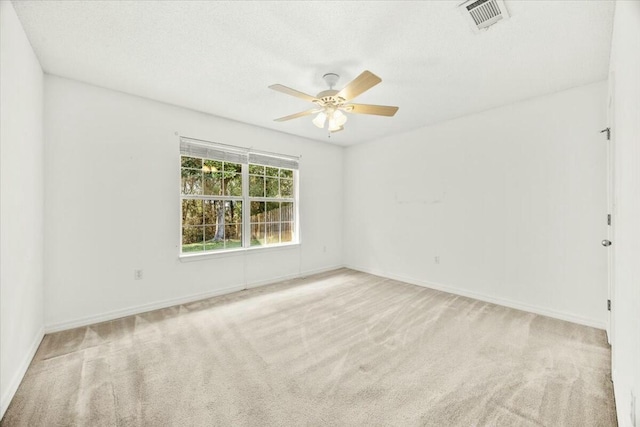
(338, 349)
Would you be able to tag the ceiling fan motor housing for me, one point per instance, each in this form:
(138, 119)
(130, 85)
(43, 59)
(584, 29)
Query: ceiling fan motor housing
(328, 98)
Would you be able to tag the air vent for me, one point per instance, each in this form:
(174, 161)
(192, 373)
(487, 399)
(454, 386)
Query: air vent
(484, 13)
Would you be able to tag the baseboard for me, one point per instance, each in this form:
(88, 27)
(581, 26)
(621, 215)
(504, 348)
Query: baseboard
(14, 383)
(488, 298)
(130, 311)
(116, 314)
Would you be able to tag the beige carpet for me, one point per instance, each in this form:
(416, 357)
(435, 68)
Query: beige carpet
(338, 349)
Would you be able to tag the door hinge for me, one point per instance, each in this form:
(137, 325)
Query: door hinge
(608, 131)
(608, 219)
(609, 304)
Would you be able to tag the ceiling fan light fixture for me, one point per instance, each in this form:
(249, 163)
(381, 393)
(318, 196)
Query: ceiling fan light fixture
(337, 120)
(320, 119)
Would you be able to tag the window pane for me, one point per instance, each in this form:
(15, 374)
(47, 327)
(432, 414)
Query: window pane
(232, 184)
(286, 232)
(190, 162)
(222, 211)
(224, 224)
(212, 166)
(256, 170)
(214, 237)
(286, 173)
(286, 187)
(272, 187)
(272, 171)
(211, 211)
(286, 212)
(232, 243)
(233, 212)
(273, 212)
(232, 167)
(273, 233)
(257, 211)
(258, 237)
(233, 235)
(192, 239)
(192, 212)
(256, 186)
(191, 181)
(213, 183)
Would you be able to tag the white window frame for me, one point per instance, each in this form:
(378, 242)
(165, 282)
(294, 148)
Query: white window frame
(198, 148)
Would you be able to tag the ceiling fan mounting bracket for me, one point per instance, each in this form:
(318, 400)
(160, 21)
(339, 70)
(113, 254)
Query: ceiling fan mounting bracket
(331, 79)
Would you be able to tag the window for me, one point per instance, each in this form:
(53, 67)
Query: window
(234, 198)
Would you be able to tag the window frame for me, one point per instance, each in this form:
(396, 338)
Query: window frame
(246, 200)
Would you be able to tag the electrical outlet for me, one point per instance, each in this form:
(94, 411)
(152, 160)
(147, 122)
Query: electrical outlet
(137, 274)
(436, 259)
(632, 409)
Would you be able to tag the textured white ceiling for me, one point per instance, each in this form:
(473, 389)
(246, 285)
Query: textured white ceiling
(219, 57)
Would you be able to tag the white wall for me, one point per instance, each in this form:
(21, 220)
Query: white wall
(112, 205)
(511, 200)
(625, 66)
(21, 204)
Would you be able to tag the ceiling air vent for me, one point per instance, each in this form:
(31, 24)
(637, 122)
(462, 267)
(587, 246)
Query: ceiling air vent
(484, 13)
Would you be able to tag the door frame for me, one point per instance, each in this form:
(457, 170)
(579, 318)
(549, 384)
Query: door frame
(611, 209)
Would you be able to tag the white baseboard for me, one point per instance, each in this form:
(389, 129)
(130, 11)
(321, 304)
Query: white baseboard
(488, 298)
(129, 311)
(143, 308)
(116, 314)
(14, 383)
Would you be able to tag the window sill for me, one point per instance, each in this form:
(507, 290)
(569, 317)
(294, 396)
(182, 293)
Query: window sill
(235, 252)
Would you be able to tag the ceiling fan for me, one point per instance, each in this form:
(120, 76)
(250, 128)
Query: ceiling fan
(331, 103)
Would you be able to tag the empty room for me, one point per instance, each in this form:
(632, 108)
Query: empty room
(322, 213)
